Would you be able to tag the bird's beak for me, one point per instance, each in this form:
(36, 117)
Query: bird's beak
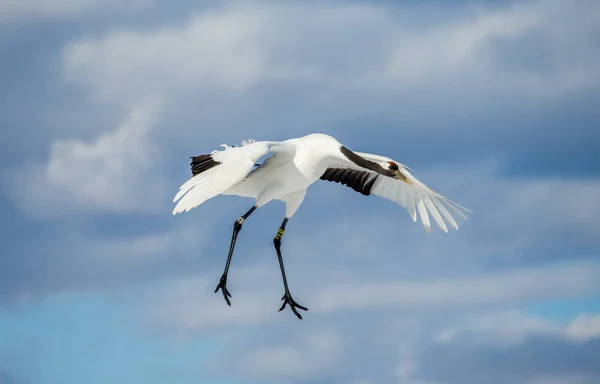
(400, 176)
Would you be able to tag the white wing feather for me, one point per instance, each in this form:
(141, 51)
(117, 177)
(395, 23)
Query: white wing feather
(416, 198)
(420, 196)
(235, 164)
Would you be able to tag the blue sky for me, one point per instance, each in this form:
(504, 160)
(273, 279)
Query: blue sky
(493, 103)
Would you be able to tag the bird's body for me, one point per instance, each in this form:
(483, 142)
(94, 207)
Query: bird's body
(288, 173)
(293, 166)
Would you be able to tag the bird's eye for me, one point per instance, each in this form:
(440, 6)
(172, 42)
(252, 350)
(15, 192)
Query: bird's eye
(393, 166)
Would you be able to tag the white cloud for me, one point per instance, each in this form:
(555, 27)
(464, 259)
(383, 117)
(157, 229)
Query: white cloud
(498, 288)
(82, 262)
(467, 51)
(538, 207)
(256, 306)
(504, 328)
(310, 358)
(113, 172)
(179, 312)
(453, 47)
(513, 327)
(584, 327)
(505, 339)
(239, 45)
(212, 50)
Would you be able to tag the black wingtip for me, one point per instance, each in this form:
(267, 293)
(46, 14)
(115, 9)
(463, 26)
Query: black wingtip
(202, 163)
(360, 181)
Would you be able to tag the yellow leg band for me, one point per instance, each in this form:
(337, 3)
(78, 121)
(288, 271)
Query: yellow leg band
(279, 233)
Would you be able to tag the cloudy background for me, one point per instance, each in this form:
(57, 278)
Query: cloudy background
(493, 103)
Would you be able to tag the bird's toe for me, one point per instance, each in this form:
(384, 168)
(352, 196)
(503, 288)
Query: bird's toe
(223, 287)
(287, 299)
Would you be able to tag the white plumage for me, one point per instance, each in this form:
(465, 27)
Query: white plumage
(293, 166)
(297, 163)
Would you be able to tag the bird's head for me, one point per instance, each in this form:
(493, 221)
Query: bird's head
(394, 171)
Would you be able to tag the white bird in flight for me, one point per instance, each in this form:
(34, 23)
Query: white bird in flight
(293, 166)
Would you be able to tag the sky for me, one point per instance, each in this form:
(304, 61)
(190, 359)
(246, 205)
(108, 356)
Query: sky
(492, 103)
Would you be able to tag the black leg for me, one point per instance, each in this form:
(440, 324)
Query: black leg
(287, 297)
(237, 226)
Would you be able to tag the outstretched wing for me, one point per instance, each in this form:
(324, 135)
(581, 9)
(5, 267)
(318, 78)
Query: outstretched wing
(214, 173)
(416, 197)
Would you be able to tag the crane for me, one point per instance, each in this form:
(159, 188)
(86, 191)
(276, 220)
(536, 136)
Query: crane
(290, 168)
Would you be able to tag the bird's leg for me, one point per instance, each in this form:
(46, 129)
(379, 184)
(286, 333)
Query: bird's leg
(237, 226)
(287, 297)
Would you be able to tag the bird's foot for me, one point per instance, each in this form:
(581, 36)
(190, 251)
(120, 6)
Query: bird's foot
(223, 287)
(287, 299)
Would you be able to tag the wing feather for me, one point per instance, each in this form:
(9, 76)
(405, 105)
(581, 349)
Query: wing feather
(411, 205)
(444, 212)
(419, 200)
(233, 165)
(427, 201)
(424, 215)
(434, 213)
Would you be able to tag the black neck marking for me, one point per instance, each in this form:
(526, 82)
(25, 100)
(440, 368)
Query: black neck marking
(362, 162)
